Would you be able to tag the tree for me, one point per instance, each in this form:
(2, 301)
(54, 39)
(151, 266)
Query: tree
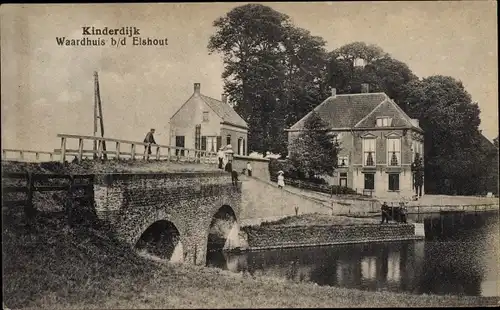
(249, 38)
(389, 75)
(450, 121)
(273, 71)
(314, 151)
(495, 142)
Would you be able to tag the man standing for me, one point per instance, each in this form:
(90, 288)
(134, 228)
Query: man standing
(150, 140)
(249, 169)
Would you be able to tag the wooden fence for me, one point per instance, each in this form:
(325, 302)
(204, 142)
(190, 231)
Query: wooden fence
(73, 185)
(27, 155)
(111, 148)
(158, 151)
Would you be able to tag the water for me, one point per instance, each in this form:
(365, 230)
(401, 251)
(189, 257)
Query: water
(458, 257)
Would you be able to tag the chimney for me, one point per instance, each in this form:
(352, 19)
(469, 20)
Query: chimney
(334, 92)
(197, 87)
(223, 98)
(365, 88)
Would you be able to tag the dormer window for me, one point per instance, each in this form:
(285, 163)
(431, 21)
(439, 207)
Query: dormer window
(384, 121)
(343, 161)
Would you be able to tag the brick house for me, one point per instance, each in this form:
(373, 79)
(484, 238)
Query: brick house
(378, 142)
(205, 123)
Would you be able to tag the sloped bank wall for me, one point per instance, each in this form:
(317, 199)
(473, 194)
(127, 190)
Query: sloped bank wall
(260, 166)
(268, 237)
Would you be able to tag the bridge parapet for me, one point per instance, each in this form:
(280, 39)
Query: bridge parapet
(133, 202)
(102, 150)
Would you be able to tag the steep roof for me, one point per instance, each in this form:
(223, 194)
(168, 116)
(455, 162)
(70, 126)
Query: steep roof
(224, 111)
(356, 110)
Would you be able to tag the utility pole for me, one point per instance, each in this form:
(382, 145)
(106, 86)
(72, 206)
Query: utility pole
(98, 115)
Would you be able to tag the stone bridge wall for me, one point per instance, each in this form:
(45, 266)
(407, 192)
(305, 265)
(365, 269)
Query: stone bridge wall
(266, 237)
(132, 202)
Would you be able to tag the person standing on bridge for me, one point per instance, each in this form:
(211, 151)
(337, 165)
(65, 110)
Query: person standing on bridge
(220, 157)
(249, 169)
(150, 140)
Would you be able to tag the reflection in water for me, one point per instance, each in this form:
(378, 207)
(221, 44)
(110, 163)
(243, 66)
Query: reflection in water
(459, 256)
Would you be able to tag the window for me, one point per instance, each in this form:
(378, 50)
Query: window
(369, 152)
(197, 137)
(240, 146)
(343, 161)
(394, 181)
(219, 142)
(369, 181)
(244, 148)
(179, 142)
(394, 151)
(228, 139)
(343, 179)
(211, 144)
(205, 116)
(384, 121)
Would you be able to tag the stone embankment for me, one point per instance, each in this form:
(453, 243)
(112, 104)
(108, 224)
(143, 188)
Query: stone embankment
(322, 230)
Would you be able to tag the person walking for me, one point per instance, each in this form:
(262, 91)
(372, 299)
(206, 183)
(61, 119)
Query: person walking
(281, 180)
(150, 140)
(249, 169)
(220, 157)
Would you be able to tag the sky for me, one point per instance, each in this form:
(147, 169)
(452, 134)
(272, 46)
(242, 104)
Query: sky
(48, 89)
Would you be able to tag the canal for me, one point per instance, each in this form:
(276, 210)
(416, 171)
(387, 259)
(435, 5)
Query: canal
(460, 256)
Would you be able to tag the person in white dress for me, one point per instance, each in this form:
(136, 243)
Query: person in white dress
(281, 179)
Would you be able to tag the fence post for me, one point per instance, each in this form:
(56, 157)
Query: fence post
(132, 151)
(37, 156)
(158, 152)
(63, 149)
(4, 154)
(99, 149)
(28, 207)
(168, 155)
(80, 149)
(117, 150)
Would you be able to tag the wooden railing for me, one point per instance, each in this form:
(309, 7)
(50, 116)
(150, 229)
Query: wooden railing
(158, 151)
(31, 181)
(25, 155)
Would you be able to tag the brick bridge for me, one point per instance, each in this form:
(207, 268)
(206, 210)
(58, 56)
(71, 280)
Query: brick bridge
(176, 215)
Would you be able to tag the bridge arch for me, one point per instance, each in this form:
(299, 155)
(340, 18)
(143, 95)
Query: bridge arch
(161, 236)
(223, 230)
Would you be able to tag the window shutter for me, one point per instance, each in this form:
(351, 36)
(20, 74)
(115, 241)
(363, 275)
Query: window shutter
(219, 142)
(203, 143)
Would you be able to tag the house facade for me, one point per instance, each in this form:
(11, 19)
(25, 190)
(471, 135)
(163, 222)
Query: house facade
(205, 123)
(378, 142)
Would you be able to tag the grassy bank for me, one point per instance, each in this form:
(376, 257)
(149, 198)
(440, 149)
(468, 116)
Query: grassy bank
(320, 219)
(108, 166)
(84, 268)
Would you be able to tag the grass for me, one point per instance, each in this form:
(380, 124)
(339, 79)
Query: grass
(107, 166)
(320, 219)
(60, 268)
